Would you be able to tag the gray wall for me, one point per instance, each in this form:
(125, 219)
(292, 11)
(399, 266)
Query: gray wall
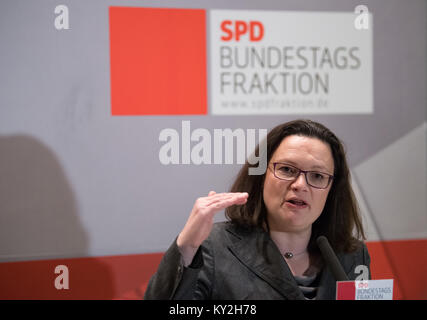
(76, 181)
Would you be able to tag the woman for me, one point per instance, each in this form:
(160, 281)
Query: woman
(267, 249)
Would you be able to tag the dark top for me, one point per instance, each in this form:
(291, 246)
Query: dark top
(234, 263)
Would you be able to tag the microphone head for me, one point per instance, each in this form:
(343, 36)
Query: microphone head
(321, 240)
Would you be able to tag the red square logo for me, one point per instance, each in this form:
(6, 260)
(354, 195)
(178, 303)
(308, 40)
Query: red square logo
(346, 290)
(158, 61)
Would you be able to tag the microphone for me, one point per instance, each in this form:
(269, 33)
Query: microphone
(331, 259)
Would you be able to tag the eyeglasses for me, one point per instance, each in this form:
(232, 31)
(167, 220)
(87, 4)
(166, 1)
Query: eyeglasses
(284, 171)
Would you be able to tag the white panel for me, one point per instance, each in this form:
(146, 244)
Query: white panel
(393, 185)
(274, 62)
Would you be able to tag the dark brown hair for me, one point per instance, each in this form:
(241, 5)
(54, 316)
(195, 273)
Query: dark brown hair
(340, 216)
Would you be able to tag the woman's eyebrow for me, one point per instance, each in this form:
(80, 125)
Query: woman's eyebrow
(316, 166)
(319, 167)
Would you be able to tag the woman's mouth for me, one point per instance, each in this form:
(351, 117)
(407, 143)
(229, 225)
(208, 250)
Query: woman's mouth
(296, 203)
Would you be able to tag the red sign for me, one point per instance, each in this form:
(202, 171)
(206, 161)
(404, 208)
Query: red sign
(158, 61)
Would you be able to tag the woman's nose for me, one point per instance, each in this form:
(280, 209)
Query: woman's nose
(300, 182)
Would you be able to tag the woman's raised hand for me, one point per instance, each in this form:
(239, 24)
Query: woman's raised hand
(200, 221)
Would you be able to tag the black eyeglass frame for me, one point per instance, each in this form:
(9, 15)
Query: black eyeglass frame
(331, 177)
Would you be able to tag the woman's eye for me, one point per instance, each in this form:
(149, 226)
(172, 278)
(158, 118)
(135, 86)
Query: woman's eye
(286, 169)
(318, 176)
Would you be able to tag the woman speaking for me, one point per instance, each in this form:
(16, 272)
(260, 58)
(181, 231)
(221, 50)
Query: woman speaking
(267, 249)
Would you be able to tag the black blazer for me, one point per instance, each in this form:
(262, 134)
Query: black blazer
(237, 264)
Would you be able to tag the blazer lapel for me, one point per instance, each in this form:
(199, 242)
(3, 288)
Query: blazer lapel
(258, 252)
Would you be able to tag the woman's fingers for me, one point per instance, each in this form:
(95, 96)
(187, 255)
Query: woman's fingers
(220, 197)
(216, 205)
(228, 201)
